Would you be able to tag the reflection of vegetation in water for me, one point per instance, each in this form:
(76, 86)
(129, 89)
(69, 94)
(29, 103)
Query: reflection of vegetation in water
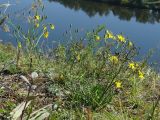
(93, 8)
(150, 4)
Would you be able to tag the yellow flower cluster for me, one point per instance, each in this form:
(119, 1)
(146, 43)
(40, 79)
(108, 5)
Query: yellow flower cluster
(121, 38)
(133, 66)
(109, 35)
(114, 59)
(37, 17)
(140, 74)
(46, 34)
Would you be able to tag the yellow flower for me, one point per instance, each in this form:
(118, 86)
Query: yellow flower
(132, 66)
(121, 38)
(45, 28)
(141, 74)
(97, 37)
(118, 84)
(114, 59)
(37, 25)
(109, 35)
(46, 34)
(52, 26)
(37, 17)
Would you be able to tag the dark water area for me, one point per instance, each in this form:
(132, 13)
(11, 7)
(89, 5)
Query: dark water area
(142, 26)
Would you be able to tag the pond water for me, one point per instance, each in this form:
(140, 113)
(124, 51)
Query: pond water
(141, 26)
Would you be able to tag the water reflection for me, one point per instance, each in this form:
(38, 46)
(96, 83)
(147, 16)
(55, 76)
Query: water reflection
(92, 8)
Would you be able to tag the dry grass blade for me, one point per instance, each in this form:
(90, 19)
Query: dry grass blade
(17, 112)
(25, 79)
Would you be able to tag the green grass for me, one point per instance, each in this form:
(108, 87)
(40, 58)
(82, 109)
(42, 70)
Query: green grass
(83, 78)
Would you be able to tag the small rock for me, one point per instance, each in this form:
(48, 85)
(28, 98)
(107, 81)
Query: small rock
(34, 87)
(55, 106)
(34, 75)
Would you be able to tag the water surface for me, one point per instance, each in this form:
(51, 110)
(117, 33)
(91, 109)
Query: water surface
(141, 26)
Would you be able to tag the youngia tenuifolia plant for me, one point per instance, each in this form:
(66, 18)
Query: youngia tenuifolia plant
(95, 77)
